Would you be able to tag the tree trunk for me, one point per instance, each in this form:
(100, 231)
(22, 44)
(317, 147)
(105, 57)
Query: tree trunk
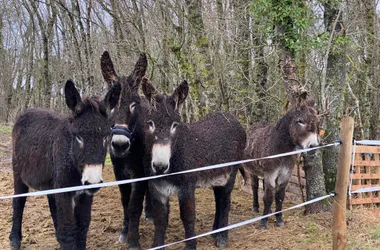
(261, 79)
(198, 38)
(46, 30)
(370, 24)
(219, 58)
(297, 92)
(243, 53)
(334, 94)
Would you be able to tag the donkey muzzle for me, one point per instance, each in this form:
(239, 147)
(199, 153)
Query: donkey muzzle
(92, 174)
(161, 154)
(121, 140)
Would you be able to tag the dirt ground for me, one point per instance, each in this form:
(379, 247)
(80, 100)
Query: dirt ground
(300, 232)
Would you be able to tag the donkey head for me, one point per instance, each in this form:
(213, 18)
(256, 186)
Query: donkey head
(161, 128)
(89, 127)
(304, 125)
(129, 110)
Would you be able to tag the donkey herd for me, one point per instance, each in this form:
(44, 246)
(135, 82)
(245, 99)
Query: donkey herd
(145, 137)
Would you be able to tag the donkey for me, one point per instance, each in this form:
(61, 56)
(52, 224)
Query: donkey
(298, 128)
(173, 147)
(50, 151)
(127, 146)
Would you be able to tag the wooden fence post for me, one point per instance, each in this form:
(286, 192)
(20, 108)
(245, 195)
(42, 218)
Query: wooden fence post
(339, 227)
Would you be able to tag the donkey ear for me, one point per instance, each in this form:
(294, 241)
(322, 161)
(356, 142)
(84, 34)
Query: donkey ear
(108, 70)
(73, 99)
(149, 91)
(180, 93)
(139, 70)
(140, 66)
(112, 96)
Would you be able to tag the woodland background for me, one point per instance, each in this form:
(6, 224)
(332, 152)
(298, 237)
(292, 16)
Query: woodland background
(251, 58)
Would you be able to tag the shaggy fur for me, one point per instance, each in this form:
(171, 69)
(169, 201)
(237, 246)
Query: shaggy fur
(50, 151)
(127, 155)
(217, 138)
(293, 130)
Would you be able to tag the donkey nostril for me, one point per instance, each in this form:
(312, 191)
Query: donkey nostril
(120, 146)
(88, 183)
(160, 168)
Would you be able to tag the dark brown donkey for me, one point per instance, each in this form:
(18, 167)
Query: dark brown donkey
(297, 128)
(173, 147)
(127, 145)
(50, 151)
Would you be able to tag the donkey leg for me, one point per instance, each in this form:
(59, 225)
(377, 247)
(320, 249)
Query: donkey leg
(255, 188)
(53, 209)
(268, 200)
(125, 193)
(82, 212)
(67, 228)
(134, 213)
(18, 205)
(217, 209)
(280, 195)
(161, 210)
(148, 207)
(187, 212)
(223, 197)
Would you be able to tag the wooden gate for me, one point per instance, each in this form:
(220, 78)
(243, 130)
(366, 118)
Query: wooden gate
(365, 173)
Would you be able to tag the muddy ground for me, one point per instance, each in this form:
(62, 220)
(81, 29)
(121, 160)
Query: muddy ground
(300, 232)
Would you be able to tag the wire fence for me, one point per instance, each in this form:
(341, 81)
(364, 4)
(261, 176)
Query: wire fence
(129, 181)
(216, 166)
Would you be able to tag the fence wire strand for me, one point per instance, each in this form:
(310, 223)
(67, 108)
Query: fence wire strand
(243, 223)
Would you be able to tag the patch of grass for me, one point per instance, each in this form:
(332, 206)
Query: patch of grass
(108, 160)
(5, 129)
(375, 234)
(312, 229)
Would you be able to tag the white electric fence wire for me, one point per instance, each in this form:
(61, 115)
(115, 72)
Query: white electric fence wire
(369, 142)
(352, 168)
(243, 223)
(115, 183)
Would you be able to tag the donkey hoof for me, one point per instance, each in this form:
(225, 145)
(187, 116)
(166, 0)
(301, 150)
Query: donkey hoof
(133, 244)
(263, 226)
(133, 248)
(280, 223)
(15, 242)
(15, 245)
(123, 235)
(123, 238)
(256, 210)
(221, 242)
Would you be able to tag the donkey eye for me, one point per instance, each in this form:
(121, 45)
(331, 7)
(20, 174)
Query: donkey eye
(151, 125)
(80, 141)
(301, 123)
(132, 107)
(174, 126)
